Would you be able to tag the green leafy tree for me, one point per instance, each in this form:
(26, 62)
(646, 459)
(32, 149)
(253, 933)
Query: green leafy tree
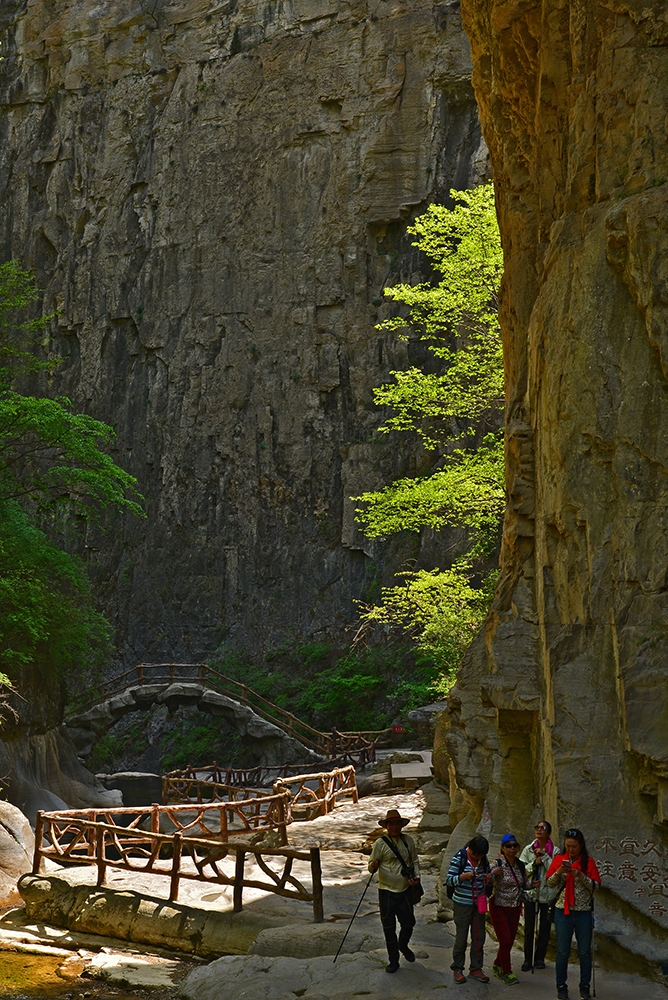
(46, 609)
(458, 316)
(456, 412)
(50, 458)
(48, 453)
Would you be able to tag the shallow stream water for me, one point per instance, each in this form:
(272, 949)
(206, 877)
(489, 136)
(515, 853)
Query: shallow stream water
(33, 977)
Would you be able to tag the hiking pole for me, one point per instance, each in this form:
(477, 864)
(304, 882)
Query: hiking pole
(593, 950)
(354, 915)
(536, 914)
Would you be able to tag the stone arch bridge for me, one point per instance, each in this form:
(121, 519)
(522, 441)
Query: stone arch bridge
(279, 737)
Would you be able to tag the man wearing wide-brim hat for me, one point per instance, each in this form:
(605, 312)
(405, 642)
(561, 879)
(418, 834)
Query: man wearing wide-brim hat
(395, 880)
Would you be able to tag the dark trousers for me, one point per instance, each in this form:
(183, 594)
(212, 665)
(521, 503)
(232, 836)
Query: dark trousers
(580, 922)
(468, 920)
(544, 925)
(396, 906)
(505, 921)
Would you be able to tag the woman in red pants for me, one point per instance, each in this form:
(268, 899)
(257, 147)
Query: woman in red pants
(510, 880)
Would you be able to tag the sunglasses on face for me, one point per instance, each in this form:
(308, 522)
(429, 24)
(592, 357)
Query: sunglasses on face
(540, 828)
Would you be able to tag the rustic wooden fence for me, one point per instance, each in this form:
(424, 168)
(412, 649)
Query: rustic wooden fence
(76, 838)
(306, 802)
(334, 745)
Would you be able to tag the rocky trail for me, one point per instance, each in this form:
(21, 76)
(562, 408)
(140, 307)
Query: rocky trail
(290, 956)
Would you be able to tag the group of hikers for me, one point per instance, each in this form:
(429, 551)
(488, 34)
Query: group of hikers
(551, 886)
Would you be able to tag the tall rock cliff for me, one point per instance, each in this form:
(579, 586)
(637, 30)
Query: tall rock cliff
(213, 196)
(561, 708)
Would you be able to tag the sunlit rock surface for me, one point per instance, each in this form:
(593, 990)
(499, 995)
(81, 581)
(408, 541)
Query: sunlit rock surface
(561, 708)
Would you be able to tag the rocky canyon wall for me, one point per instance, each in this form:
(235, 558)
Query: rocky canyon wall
(561, 707)
(213, 195)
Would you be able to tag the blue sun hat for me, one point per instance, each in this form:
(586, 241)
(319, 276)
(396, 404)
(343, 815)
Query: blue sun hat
(509, 838)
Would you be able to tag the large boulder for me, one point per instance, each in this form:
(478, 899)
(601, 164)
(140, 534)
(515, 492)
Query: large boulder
(256, 977)
(17, 846)
(312, 940)
(44, 772)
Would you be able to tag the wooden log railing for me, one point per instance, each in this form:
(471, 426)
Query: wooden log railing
(262, 776)
(179, 790)
(76, 838)
(304, 802)
(240, 777)
(331, 745)
(307, 803)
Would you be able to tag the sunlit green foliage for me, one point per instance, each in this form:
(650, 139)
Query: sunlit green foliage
(446, 410)
(450, 411)
(468, 491)
(438, 609)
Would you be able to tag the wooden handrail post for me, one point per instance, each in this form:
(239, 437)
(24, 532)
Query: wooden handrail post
(316, 880)
(155, 818)
(176, 868)
(239, 880)
(140, 673)
(284, 807)
(37, 864)
(101, 861)
(91, 835)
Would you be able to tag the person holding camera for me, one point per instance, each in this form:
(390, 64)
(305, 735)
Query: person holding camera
(575, 875)
(511, 885)
(468, 882)
(538, 856)
(395, 859)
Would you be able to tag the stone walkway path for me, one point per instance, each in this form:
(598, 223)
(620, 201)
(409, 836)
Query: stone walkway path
(288, 961)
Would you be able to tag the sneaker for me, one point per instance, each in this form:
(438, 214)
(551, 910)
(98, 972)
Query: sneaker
(498, 971)
(392, 967)
(584, 993)
(510, 979)
(459, 975)
(562, 992)
(539, 964)
(526, 966)
(408, 954)
(479, 975)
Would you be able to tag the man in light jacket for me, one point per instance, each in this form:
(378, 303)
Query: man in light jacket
(395, 880)
(537, 857)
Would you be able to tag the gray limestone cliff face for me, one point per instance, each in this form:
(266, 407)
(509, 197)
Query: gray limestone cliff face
(213, 196)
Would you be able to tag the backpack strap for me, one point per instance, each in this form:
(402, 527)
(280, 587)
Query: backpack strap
(396, 852)
(508, 864)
